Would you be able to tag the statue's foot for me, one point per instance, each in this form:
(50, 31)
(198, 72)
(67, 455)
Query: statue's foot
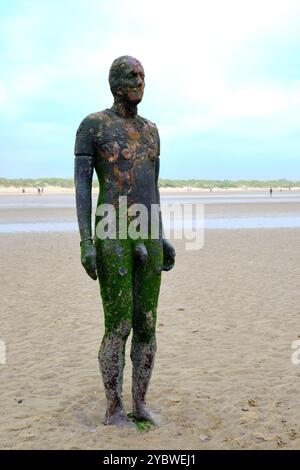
(141, 412)
(118, 418)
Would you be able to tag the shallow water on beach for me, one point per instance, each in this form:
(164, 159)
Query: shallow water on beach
(287, 215)
(230, 223)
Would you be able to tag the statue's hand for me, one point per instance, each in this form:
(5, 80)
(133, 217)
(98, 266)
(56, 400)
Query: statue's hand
(169, 256)
(88, 258)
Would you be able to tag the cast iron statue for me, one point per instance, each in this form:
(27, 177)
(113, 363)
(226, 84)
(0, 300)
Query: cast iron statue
(123, 148)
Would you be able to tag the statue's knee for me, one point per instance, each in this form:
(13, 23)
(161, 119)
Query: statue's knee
(144, 335)
(115, 335)
(145, 328)
(123, 329)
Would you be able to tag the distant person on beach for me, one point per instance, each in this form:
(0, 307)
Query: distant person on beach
(39, 191)
(23, 190)
(271, 192)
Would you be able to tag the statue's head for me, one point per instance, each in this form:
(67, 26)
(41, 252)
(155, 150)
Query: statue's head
(127, 79)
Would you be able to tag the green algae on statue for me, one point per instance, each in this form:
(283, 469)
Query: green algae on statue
(123, 148)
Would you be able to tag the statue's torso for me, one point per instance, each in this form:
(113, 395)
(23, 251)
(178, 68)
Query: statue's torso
(125, 157)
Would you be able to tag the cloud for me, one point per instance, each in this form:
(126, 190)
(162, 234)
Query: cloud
(258, 110)
(55, 58)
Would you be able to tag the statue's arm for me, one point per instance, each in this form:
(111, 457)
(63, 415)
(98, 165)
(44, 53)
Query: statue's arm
(168, 249)
(83, 176)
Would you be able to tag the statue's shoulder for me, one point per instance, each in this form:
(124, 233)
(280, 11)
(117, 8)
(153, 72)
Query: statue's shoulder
(148, 123)
(93, 119)
(151, 129)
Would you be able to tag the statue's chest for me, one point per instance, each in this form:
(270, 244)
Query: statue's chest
(127, 142)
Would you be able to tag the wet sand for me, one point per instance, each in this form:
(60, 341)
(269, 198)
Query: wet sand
(228, 315)
(223, 378)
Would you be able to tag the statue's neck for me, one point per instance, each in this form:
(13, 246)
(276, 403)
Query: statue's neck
(124, 109)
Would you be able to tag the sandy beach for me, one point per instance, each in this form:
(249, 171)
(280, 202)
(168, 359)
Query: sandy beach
(228, 315)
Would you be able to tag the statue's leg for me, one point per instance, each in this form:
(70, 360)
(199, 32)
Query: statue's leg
(146, 286)
(115, 276)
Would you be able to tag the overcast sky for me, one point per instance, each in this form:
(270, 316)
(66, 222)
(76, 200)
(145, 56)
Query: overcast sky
(222, 82)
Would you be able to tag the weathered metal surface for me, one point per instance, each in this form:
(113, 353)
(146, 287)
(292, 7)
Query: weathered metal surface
(123, 148)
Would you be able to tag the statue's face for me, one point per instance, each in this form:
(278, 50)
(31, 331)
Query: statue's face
(132, 82)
